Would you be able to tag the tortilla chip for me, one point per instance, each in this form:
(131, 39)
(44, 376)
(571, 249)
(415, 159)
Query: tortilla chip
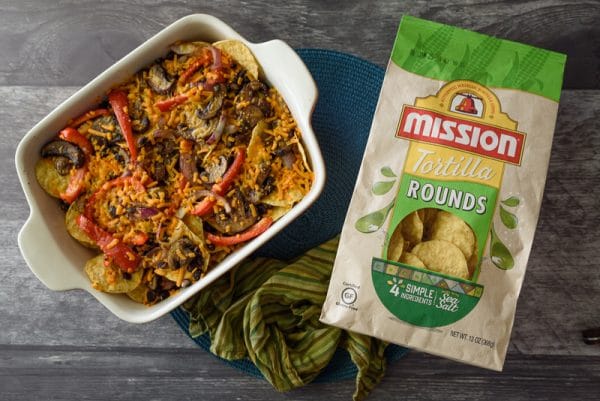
(396, 245)
(443, 257)
(75, 209)
(473, 260)
(241, 54)
(257, 151)
(110, 278)
(138, 294)
(194, 223)
(290, 198)
(49, 178)
(277, 212)
(412, 228)
(412, 260)
(174, 275)
(451, 228)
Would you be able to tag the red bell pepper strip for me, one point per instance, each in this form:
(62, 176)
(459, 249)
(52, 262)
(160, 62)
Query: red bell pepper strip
(76, 185)
(120, 253)
(76, 179)
(140, 238)
(254, 231)
(70, 134)
(204, 207)
(168, 104)
(195, 66)
(88, 115)
(220, 188)
(118, 101)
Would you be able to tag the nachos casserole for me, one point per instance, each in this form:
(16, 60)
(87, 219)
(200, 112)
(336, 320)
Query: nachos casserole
(186, 161)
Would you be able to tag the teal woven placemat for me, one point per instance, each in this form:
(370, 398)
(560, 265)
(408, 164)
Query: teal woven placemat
(348, 92)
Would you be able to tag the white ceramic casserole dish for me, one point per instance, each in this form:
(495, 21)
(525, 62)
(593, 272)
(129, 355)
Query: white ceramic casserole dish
(57, 259)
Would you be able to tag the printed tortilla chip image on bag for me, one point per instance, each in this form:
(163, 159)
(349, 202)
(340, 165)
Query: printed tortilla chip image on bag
(442, 218)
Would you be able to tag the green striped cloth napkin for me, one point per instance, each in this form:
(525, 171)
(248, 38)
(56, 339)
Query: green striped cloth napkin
(268, 310)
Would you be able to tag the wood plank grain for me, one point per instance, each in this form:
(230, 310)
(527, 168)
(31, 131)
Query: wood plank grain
(70, 42)
(124, 374)
(560, 296)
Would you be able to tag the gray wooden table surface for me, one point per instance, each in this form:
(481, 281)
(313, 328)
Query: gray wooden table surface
(66, 346)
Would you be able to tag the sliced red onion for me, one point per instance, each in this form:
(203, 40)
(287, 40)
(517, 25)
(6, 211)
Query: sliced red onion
(204, 85)
(218, 131)
(159, 232)
(288, 159)
(147, 212)
(216, 56)
(204, 193)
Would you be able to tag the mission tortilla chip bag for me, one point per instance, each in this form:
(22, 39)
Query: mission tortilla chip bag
(436, 239)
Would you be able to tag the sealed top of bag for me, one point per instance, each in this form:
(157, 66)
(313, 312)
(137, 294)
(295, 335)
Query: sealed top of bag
(437, 236)
(448, 53)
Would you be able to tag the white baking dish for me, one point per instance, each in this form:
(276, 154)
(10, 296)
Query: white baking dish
(58, 260)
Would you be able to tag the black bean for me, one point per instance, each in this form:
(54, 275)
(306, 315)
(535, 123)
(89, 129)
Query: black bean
(64, 206)
(197, 275)
(261, 209)
(150, 296)
(164, 294)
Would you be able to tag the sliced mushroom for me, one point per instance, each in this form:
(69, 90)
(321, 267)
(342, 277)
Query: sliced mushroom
(255, 92)
(159, 172)
(121, 155)
(64, 149)
(249, 116)
(287, 155)
(159, 157)
(214, 104)
(105, 130)
(238, 220)
(215, 170)
(139, 118)
(158, 80)
(265, 183)
(182, 253)
(62, 165)
(196, 129)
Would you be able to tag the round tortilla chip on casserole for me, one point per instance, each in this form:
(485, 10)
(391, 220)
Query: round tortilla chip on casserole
(110, 278)
(49, 179)
(241, 54)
